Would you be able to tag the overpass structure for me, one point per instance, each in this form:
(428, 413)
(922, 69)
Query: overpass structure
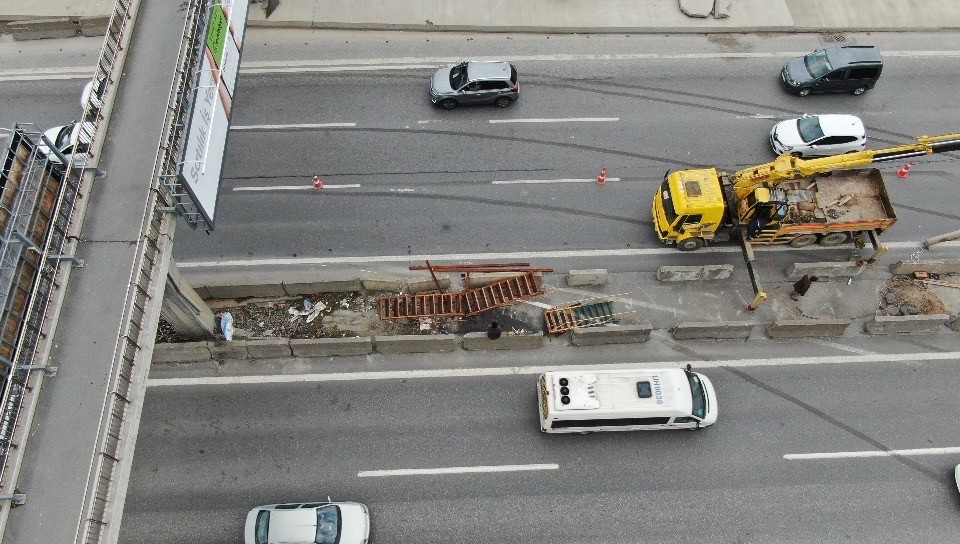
(73, 390)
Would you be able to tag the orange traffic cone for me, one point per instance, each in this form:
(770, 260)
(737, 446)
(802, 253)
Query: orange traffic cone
(904, 172)
(317, 184)
(602, 178)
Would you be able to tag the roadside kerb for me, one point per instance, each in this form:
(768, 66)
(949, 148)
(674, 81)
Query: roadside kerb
(478, 341)
(93, 26)
(426, 284)
(40, 29)
(609, 334)
(381, 283)
(351, 285)
(415, 343)
(228, 350)
(846, 269)
(269, 348)
(906, 324)
(580, 278)
(695, 273)
(183, 352)
(806, 328)
(325, 347)
(937, 266)
(728, 330)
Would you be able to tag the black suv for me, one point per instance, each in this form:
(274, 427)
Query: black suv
(848, 68)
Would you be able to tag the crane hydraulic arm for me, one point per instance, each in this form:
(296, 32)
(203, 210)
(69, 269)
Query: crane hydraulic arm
(787, 167)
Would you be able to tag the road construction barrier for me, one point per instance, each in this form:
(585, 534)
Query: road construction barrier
(846, 269)
(937, 266)
(478, 341)
(416, 343)
(695, 273)
(579, 278)
(727, 330)
(326, 347)
(610, 334)
(808, 328)
(906, 324)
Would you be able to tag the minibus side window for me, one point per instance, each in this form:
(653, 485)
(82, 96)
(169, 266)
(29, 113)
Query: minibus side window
(618, 422)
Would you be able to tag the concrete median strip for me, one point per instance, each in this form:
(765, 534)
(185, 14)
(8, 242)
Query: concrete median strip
(579, 278)
(478, 341)
(906, 324)
(824, 270)
(728, 330)
(414, 343)
(807, 328)
(937, 266)
(695, 273)
(41, 29)
(325, 347)
(624, 334)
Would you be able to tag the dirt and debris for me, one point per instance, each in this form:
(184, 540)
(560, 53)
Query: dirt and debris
(903, 296)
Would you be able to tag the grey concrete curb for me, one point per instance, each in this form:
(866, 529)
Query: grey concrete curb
(805, 328)
(580, 278)
(695, 273)
(269, 348)
(825, 270)
(906, 324)
(94, 26)
(324, 347)
(222, 288)
(937, 266)
(41, 29)
(228, 350)
(478, 341)
(414, 343)
(624, 334)
(728, 330)
(186, 352)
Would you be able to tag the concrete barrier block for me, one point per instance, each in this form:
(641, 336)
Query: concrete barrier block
(679, 273)
(478, 341)
(41, 29)
(325, 347)
(269, 348)
(351, 285)
(381, 282)
(954, 323)
(241, 290)
(803, 328)
(906, 324)
(739, 330)
(937, 266)
(824, 270)
(608, 334)
(716, 271)
(183, 352)
(416, 343)
(426, 284)
(235, 349)
(94, 26)
(578, 278)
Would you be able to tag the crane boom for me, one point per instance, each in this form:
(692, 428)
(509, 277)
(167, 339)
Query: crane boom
(787, 166)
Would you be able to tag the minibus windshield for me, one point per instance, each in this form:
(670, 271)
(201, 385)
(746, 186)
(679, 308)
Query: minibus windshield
(699, 398)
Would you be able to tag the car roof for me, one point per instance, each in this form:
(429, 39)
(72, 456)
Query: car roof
(846, 55)
(835, 124)
(293, 525)
(488, 70)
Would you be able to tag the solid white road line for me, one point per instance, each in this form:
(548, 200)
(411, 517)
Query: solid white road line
(297, 187)
(505, 256)
(565, 120)
(872, 453)
(473, 372)
(834, 345)
(456, 470)
(291, 126)
(538, 181)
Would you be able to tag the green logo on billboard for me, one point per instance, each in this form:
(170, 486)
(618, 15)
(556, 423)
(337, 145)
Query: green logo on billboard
(217, 33)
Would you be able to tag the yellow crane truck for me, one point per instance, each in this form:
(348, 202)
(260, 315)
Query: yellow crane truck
(790, 201)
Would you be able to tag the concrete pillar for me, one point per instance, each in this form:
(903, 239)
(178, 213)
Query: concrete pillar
(183, 308)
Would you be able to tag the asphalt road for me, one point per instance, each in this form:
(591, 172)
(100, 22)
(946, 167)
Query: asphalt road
(208, 452)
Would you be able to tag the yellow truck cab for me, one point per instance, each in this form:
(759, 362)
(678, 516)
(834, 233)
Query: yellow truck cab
(689, 208)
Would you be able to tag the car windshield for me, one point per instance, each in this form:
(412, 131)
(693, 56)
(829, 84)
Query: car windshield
(262, 528)
(458, 76)
(328, 524)
(817, 63)
(699, 398)
(809, 128)
(668, 208)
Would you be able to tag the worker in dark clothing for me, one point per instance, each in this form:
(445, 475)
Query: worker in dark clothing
(494, 331)
(756, 226)
(802, 286)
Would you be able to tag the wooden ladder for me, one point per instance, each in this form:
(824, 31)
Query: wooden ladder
(467, 303)
(502, 293)
(415, 306)
(576, 315)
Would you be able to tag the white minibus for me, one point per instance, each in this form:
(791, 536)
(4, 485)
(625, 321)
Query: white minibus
(625, 400)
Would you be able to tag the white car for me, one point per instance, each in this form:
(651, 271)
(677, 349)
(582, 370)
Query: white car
(304, 523)
(818, 135)
(64, 139)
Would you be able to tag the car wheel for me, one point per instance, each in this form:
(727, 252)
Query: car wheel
(690, 244)
(833, 239)
(797, 154)
(448, 104)
(803, 240)
(803, 92)
(502, 101)
(859, 90)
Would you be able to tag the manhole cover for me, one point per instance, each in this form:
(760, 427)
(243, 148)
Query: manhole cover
(831, 38)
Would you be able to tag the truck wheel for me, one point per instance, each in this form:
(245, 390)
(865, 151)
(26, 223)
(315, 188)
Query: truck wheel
(690, 244)
(803, 240)
(833, 239)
